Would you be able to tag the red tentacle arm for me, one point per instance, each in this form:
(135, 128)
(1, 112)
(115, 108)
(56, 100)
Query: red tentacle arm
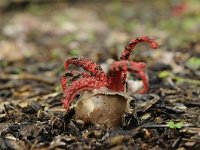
(72, 75)
(86, 63)
(131, 45)
(138, 68)
(80, 85)
(144, 78)
(63, 81)
(118, 74)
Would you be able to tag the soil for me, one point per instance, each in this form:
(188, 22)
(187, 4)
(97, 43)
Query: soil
(36, 37)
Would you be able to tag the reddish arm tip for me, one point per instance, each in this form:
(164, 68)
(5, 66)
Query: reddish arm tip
(154, 44)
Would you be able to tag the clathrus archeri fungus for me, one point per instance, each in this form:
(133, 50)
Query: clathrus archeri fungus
(94, 78)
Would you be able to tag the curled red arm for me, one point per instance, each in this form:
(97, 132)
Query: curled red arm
(131, 45)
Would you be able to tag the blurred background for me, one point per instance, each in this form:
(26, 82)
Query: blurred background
(36, 36)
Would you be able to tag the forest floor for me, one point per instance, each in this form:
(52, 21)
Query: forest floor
(36, 39)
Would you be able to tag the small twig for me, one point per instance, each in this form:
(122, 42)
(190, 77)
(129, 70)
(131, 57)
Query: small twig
(164, 126)
(169, 108)
(6, 111)
(167, 74)
(174, 110)
(192, 81)
(176, 142)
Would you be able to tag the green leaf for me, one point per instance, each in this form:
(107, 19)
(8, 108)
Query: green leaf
(179, 125)
(74, 52)
(164, 74)
(193, 63)
(171, 124)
